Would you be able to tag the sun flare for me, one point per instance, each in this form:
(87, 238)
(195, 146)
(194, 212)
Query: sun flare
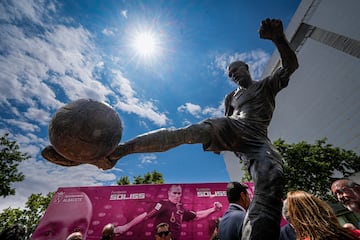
(146, 44)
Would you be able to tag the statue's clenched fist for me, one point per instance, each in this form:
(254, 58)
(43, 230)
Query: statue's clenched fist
(271, 29)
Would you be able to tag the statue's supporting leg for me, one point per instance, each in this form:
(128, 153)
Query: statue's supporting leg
(163, 139)
(264, 214)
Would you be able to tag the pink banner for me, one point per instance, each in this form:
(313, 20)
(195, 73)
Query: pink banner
(135, 210)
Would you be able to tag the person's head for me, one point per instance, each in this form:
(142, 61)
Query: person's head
(347, 193)
(239, 72)
(175, 193)
(108, 232)
(313, 218)
(66, 214)
(162, 231)
(237, 193)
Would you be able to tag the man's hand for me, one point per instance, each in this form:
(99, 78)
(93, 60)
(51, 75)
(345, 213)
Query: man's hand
(217, 206)
(271, 29)
(120, 229)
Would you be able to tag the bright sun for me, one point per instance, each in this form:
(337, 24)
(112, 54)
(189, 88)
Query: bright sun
(146, 44)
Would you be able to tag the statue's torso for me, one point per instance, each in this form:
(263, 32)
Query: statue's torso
(254, 105)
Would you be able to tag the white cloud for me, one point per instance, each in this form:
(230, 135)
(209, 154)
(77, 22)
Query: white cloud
(256, 59)
(124, 13)
(129, 102)
(25, 126)
(214, 112)
(39, 115)
(33, 67)
(26, 10)
(186, 122)
(148, 158)
(30, 143)
(193, 109)
(199, 112)
(108, 32)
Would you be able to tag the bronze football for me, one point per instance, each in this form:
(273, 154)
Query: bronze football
(85, 130)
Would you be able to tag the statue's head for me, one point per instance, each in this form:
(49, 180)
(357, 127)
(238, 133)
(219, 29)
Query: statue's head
(238, 71)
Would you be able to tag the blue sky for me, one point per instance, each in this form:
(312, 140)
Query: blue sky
(54, 52)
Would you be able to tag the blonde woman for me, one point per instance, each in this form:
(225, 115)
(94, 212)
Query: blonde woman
(314, 219)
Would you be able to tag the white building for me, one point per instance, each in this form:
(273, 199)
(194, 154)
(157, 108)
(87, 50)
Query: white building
(323, 96)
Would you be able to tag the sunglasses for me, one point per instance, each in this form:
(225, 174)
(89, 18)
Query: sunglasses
(165, 233)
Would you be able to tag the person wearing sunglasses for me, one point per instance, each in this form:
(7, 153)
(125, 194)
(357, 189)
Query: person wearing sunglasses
(162, 232)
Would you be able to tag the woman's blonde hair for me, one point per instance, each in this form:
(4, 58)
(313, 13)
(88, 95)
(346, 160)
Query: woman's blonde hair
(314, 219)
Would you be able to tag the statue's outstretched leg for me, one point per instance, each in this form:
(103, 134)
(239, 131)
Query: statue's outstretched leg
(163, 139)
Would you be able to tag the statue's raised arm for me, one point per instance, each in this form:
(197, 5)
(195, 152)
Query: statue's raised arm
(273, 30)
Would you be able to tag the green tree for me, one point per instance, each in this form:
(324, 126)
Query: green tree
(124, 181)
(10, 157)
(30, 216)
(153, 177)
